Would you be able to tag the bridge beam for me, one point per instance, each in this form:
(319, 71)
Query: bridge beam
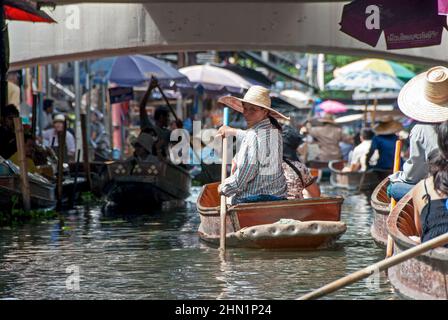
(97, 30)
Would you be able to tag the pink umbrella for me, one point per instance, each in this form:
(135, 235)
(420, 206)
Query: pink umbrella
(332, 107)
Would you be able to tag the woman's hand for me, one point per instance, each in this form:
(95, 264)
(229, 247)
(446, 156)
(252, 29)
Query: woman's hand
(219, 189)
(226, 131)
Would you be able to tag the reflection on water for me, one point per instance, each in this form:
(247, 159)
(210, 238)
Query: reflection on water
(160, 257)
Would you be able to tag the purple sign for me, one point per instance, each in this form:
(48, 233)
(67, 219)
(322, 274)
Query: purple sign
(426, 33)
(443, 7)
(416, 24)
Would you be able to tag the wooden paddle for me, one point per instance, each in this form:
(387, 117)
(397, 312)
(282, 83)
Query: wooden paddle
(223, 211)
(377, 267)
(390, 241)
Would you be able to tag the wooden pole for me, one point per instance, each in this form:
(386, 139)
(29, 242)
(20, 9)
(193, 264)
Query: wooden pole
(4, 59)
(34, 116)
(377, 267)
(24, 184)
(365, 115)
(61, 155)
(85, 150)
(223, 209)
(390, 241)
(75, 183)
(373, 114)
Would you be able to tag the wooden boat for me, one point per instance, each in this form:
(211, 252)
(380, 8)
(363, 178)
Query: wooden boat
(146, 184)
(301, 224)
(42, 192)
(352, 180)
(380, 203)
(319, 169)
(422, 277)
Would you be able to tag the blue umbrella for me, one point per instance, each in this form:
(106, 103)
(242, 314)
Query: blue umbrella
(128, 71)
(366, 81)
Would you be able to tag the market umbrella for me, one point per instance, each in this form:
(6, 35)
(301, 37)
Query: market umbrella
(411, 25)
(380, 65)
(332, 107)
(216, 79)
(23, 10)
(129, 71)
(365, 81)
(253, 76)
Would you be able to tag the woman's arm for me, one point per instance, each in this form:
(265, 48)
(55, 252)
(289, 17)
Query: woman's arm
(144, 120)
(417, 200)
(312, 191)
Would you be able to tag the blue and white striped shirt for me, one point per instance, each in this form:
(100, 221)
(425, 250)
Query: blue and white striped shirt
(258, 164)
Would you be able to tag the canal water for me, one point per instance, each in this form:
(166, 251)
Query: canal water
(90, 253)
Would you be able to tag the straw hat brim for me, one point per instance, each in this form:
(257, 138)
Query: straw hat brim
(323, 120)
(389, 127)
(237, 105)
(413, 103)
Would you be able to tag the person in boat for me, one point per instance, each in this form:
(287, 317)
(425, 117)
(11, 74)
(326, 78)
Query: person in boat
(424, 99)
(99, 138)
(430, 196)
(29, 153)
(257, 174)
(358, 157)
(300, 183)
(384, 142)
(8, 145)
(50, 136)
(159, 130)
(143, 147)
(327, 136)
(346, 145)
(47, 114)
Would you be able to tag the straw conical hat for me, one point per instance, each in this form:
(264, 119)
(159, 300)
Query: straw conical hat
(256, 95)
(425, 97)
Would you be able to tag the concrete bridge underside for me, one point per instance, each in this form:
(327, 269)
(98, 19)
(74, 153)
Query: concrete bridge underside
(97, 30)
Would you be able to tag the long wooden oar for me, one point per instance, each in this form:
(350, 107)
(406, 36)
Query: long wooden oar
(390, 241)
(377, 267)
(223, 211)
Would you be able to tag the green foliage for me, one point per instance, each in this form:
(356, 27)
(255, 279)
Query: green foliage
(89, 198)
(17, 216)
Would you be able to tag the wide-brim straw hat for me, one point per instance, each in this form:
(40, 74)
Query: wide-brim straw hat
(327, 118)
(425, 97)
(387, 125)
(256, 95)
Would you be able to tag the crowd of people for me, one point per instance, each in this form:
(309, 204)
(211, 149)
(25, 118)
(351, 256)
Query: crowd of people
(279, 174)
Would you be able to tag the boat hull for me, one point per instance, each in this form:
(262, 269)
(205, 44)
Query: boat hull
(422, 277)
(303, 224)
(146, 185)
(353, 180)
(42, 195)
(380, 203)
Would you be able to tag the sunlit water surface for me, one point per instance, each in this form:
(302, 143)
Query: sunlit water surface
(160, 257)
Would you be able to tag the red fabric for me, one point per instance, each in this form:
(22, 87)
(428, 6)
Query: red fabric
(12, 13)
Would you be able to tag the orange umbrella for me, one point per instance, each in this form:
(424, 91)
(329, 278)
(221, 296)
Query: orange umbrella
(22, 10)
(25, 10)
